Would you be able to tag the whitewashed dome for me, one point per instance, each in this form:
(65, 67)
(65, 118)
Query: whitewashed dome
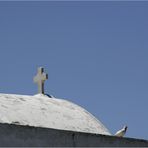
(43, 111)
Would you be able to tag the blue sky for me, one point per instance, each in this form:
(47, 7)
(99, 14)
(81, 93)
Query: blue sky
(96, 55)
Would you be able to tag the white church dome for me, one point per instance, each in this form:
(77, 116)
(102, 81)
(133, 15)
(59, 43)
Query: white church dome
(43, 111)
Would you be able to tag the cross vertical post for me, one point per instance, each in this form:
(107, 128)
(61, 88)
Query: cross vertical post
(40, 79)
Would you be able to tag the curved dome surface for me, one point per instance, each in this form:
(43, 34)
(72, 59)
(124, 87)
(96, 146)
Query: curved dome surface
(43, 111)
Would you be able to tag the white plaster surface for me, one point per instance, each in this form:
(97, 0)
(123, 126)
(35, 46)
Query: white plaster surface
(42, 111)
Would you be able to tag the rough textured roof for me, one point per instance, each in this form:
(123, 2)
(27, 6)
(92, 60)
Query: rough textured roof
(43, 111)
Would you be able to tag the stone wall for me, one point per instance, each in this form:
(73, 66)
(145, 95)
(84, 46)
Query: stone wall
(17, 135)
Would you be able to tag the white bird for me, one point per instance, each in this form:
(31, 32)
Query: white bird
(121, 132)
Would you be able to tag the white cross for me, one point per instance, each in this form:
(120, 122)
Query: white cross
(40, 78)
